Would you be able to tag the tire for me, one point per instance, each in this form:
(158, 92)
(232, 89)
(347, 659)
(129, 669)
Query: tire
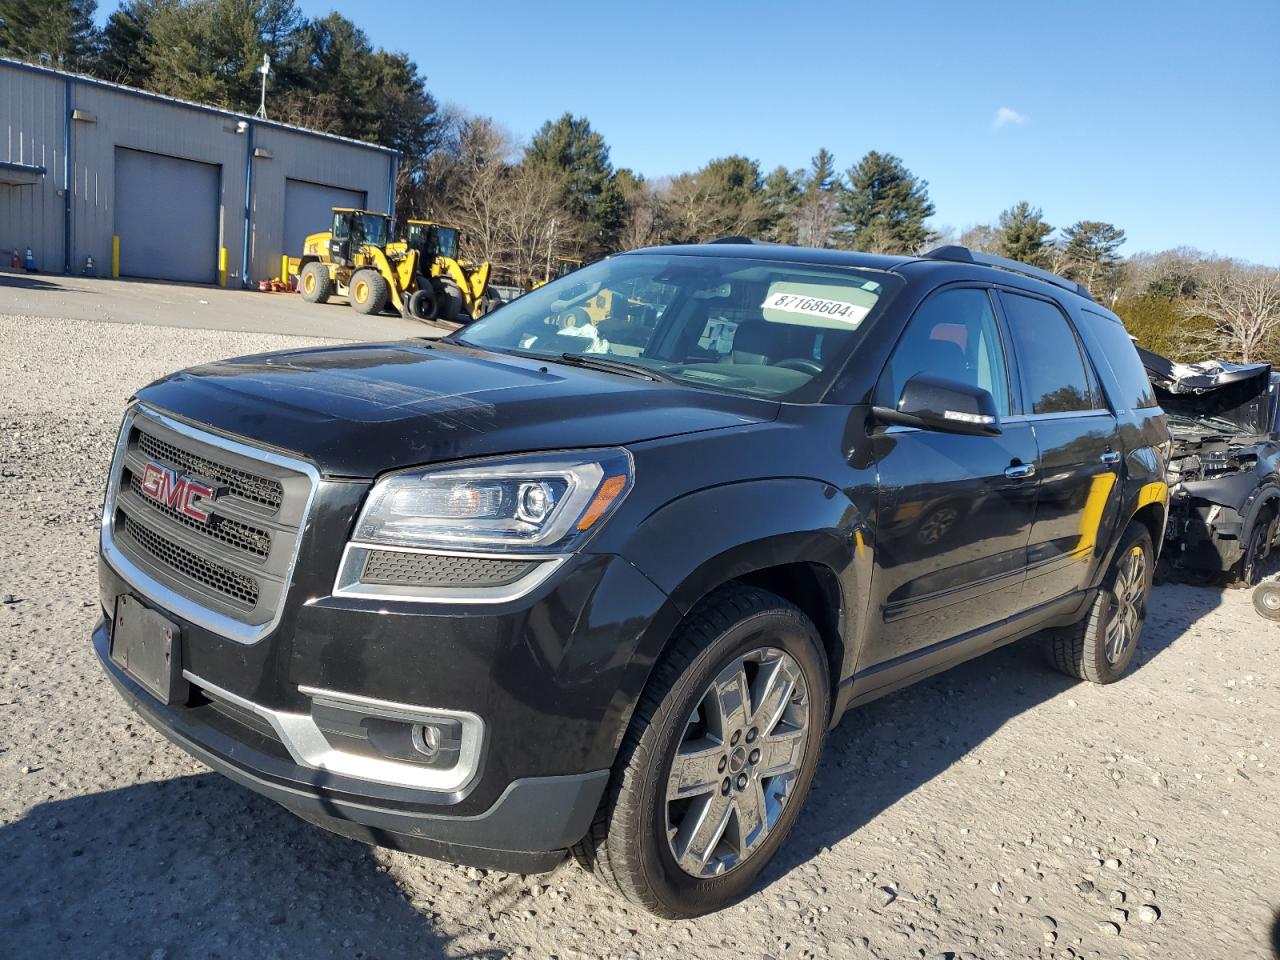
(627, 847)
(1083, 650)
(315, 284)
(452, 303)
(1266, 599)
(423, 305)
(368, 291)
(1247, 571)
(489, 303)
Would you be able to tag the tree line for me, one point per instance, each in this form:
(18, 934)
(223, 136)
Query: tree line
(520, 206)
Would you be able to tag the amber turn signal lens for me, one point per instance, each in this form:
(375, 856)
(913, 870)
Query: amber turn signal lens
(609, 491)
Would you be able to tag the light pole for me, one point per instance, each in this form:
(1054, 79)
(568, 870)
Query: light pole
(262, 104)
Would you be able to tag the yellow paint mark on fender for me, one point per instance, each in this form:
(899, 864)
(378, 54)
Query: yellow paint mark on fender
(1155, 492)
(1094, 506)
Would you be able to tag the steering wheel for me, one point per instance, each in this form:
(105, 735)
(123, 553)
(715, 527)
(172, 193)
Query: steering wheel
(811, 367)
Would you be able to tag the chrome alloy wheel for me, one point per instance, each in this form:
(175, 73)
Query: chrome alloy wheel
(1128, 597)
(737, 762)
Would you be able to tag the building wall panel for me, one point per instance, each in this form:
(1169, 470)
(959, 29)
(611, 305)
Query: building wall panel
(32, 131)
(33, 121)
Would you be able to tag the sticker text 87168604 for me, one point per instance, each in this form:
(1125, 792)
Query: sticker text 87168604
(850, 313)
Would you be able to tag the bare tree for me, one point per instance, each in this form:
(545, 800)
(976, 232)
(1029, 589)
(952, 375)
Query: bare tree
(1243, 304)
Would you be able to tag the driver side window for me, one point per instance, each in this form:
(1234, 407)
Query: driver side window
(954, 334)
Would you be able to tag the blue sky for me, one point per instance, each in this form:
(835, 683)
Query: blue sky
(1162, 117)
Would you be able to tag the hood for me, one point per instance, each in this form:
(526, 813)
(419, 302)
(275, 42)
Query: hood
(359, 410)
(1237, 392)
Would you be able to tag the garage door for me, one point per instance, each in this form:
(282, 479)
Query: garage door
(167, 217)
(308, 208)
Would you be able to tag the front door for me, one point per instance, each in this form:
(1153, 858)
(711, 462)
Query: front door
(954, 512)
(1079, 462)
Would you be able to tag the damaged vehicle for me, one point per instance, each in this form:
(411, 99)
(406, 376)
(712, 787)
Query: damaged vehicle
(1224, 474)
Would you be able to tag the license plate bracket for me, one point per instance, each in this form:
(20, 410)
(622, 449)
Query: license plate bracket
(148, 647)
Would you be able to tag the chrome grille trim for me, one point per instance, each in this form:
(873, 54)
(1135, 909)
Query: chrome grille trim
(190, 606)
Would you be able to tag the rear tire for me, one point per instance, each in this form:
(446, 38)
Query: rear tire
(452, 303)
(368, 291)
(315, 284)
(691, 734)
(1101, 646)
(1248, 569)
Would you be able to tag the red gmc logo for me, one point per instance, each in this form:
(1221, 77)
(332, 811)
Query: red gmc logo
(176, 491)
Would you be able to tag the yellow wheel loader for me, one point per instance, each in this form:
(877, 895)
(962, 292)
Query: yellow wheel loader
(562, 267)
(354, 259)
(456, 289)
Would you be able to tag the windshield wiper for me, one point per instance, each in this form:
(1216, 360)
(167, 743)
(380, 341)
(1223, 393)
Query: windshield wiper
(594, 361)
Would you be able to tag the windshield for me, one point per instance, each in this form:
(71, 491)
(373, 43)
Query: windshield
(756, 327)
(446, 242)
(368, 228)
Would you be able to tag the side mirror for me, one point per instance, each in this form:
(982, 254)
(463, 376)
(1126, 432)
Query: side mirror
(947, 406)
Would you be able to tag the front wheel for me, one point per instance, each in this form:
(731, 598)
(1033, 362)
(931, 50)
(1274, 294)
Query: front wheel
(718, 758)
(369, 291)
(1100, 647)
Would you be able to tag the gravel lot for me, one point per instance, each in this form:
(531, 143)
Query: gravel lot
(998, 810)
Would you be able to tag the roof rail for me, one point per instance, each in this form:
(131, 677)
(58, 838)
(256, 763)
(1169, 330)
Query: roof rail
(958, 254)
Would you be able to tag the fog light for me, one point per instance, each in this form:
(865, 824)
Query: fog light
(427, 738)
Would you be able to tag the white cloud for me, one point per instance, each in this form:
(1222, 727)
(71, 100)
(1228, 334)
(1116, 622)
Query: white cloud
(1006, 116)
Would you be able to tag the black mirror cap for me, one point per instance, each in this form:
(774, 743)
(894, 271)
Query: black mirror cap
(947, 406)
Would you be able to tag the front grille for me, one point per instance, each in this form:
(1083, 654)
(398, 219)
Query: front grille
(230, 572)
(235, 586)
(260, 490)
(394, 568)
(242, 536)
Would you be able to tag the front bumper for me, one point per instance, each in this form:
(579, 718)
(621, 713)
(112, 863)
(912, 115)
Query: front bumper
(527, 829)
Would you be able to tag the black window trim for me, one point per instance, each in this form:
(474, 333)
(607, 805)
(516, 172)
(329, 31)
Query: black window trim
(1090, 370)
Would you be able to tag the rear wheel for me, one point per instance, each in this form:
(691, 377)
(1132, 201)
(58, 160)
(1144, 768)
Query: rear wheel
(315, 285)
(368, 291)
(1100, 647)
(1266, 599)
(718, 758)
(1248, 570)
(452, 303)
(423, 305)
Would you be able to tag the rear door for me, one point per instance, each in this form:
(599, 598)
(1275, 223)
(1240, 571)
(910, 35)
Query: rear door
(955, 512)
(1079, 456)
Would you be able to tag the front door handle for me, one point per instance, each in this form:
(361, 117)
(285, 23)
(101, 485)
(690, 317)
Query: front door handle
(1110, 458)
(1020, 471)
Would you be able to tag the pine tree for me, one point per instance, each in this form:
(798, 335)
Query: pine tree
(819, 204)
(1023, 235)
(885, 206)
(577, 157)
(1090, 255)
(59, 33)
(781, 197)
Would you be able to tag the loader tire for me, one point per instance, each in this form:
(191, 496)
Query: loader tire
(368, 291)
(423, 305)
(315, 284)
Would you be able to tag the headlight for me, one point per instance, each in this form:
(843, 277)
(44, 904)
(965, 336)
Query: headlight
(540, 503)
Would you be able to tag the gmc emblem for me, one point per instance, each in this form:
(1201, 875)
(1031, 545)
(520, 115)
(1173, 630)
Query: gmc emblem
(176, 491)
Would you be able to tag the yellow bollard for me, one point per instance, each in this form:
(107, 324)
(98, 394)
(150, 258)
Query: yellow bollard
(284, 267)
(115, 258)
(222, 266)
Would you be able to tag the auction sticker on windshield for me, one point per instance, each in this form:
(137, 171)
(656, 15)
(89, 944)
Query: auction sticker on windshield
(819, 305)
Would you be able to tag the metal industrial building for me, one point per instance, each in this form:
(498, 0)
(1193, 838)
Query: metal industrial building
(150, 186)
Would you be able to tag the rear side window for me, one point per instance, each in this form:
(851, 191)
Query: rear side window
(1053, 370)
(1118, 354)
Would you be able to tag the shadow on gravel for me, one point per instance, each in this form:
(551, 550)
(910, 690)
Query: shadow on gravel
(883, 751)
(197, 867)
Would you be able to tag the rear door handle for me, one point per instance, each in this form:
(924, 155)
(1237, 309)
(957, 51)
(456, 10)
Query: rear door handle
(1020, 471)
(1110, 457)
